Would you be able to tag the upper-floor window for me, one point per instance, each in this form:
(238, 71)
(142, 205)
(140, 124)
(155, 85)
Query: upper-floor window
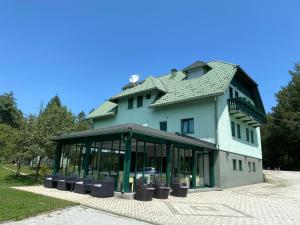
(230, 92)
(130, 103)
(240, 165)
(187, 126)
(139, 101)
(234, 164)
(252, 136)
(247, 134)
(236, 94)
(148, 96)
(163, 125)
(233, 128)
(238, 129)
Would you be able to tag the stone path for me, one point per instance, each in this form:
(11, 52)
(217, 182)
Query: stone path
(77, 216)
(276, 202)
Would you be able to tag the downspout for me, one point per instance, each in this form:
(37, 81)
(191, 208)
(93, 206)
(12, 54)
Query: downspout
(216, 123)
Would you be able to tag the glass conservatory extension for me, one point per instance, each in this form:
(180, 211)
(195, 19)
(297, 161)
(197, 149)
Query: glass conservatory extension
(128, 152)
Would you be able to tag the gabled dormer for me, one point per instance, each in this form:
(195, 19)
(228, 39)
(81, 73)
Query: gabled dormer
(195, 70)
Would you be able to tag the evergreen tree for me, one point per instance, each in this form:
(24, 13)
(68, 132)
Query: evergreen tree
(281, 136)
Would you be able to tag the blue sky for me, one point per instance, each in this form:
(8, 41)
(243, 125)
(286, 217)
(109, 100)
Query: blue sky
(85, 51)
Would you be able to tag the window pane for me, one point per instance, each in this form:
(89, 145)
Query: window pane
(247, 134)
(130, 103)
(238, 127)
(191, 126)
(252, 136)
(184, 126)
(140, 101)
(234, 164)
(233, 128)
(163, 125)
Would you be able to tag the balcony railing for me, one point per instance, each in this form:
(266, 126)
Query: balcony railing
(240, 105)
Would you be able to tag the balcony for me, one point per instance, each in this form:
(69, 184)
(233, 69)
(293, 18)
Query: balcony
(245, 111)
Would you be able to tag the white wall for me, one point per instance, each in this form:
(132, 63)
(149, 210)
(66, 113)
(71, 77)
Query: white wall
(232, 144)
(201, 110)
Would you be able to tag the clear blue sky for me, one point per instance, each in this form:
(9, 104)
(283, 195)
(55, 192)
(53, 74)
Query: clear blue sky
(84, 51)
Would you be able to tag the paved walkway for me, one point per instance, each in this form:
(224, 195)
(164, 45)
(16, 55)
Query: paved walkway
(276, 202)
(77, 216)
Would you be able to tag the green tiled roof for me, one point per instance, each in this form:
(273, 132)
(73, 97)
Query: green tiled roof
(150, 83)
(106, 109)
(214, 82)
(177, 88)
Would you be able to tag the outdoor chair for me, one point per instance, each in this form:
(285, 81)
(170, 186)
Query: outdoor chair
(51, 180)
(83, 186)
(66, 183)
(103, 188)
(178, 189)
(161, 189)
(143, 192)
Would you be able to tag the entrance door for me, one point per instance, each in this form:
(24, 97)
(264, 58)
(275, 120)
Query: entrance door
(202, 173)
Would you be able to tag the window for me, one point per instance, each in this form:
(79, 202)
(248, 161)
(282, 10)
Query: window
(240, 165)
(148, 96)
(252, 136)
(130, 103)
(230, 92)
(187, 126)
(234, 164)
(238, 128)
(249, 166)
(247, 134)
(139, 101)
(253, 167)
(163, 125)
(233, 128)
(236, 94)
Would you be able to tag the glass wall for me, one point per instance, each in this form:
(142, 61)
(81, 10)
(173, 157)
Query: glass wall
(72, 159)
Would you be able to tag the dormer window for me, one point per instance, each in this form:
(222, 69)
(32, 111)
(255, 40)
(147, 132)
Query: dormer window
(196, 70)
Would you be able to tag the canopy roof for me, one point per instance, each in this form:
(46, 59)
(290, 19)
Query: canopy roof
(137, 130)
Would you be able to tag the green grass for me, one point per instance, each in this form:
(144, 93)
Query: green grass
(16, 205)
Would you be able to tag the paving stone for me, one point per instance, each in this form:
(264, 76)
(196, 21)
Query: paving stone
(276, 202)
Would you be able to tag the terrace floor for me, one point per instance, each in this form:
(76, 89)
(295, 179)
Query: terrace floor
(276, 202)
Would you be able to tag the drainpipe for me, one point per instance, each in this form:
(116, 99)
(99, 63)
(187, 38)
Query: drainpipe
(216, 123)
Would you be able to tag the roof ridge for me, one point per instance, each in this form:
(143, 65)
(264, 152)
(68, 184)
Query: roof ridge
(219, 61)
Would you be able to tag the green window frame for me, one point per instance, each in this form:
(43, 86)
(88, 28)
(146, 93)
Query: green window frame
(187, 126)
(247, 134)
(140, 101)
(238, 129)
(234, 164)
(130, 103)
(240, 165)
(163, 125)
(233, 128)
(252, 136)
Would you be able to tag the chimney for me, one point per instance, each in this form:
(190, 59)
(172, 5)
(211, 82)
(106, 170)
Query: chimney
(173, 73)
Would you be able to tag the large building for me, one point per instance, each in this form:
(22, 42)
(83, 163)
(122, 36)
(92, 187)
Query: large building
(200, 124)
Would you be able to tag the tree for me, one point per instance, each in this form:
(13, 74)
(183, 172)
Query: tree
(52, 120)
(9, 112)
(281, 136)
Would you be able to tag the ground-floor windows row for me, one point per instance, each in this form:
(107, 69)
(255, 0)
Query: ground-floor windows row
(251, 165)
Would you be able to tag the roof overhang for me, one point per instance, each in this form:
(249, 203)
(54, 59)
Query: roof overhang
(138, 131)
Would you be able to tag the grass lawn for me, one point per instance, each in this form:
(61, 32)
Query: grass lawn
(16, 205)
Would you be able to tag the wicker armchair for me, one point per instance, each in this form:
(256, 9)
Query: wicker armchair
(161, 189)
(66, 183)
(51, 180)
(179, 189)
(104, 188)
(83, 186)
(143, 192)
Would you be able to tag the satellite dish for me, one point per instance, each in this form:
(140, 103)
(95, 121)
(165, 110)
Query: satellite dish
(134, 78)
